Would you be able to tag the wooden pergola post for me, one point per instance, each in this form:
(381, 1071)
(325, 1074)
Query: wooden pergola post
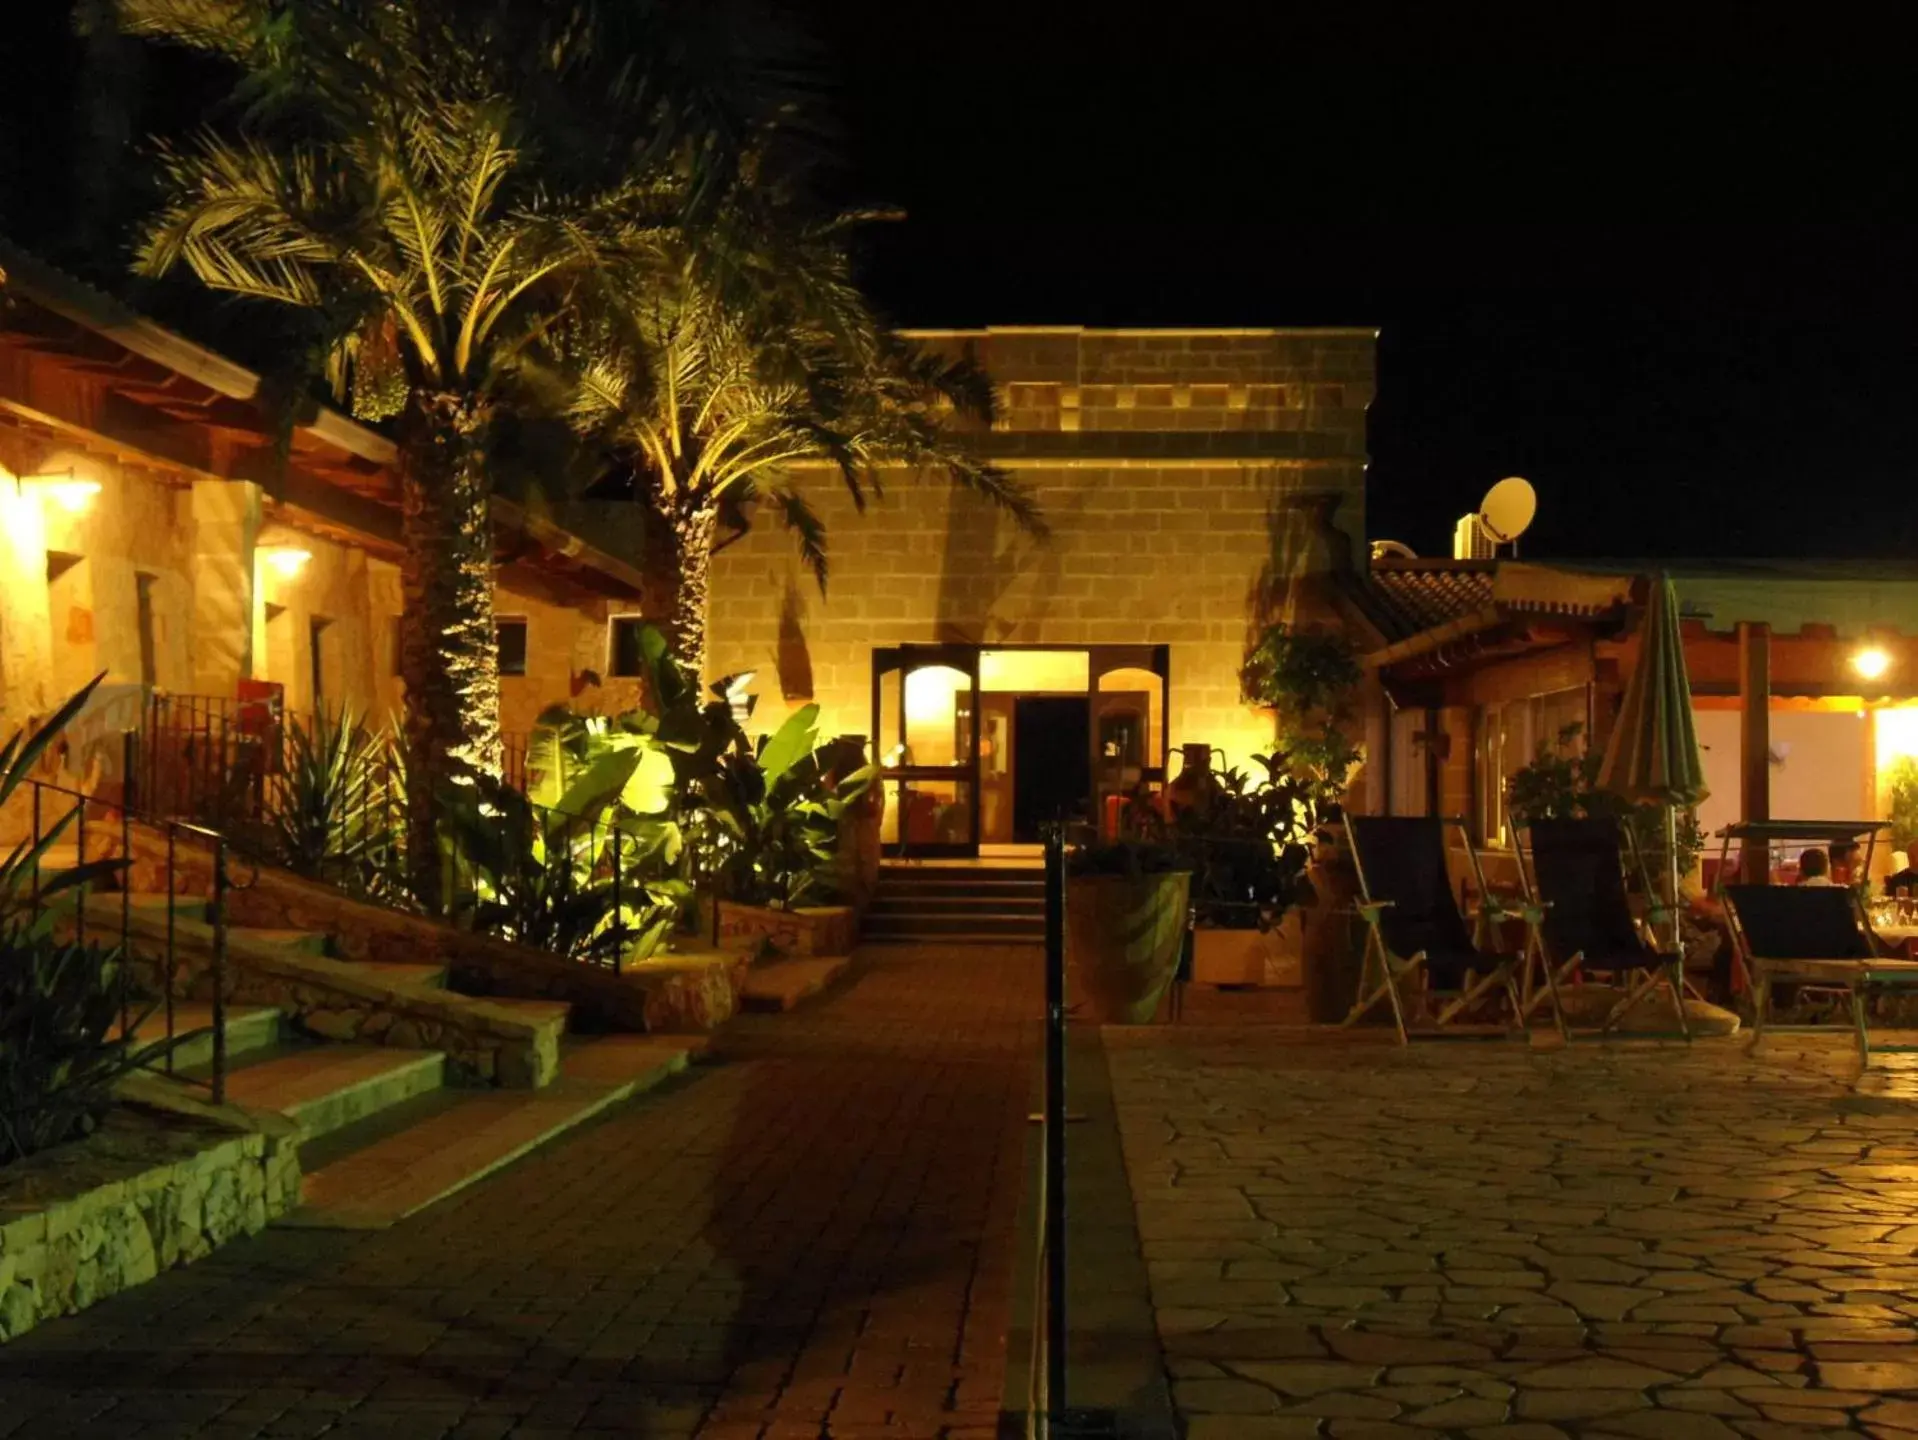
(1754, 767)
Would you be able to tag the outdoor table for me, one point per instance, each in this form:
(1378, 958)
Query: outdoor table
(1896, 938)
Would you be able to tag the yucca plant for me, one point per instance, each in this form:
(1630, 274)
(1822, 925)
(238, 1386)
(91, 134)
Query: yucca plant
(60, 1002)
(337, 805)
(61, 1046)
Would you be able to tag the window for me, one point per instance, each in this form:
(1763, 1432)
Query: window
(511, 636)
(1509, 737)
(625, 658)
(316, 660)
(143, 604)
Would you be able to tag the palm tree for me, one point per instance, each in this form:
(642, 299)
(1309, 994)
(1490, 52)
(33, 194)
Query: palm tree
(387, 171)
(755, 353)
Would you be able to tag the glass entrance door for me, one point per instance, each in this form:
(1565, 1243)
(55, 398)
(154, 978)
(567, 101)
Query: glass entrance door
(925, 709)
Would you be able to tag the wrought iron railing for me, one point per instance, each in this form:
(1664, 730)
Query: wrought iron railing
(149, 967)
(233, 765)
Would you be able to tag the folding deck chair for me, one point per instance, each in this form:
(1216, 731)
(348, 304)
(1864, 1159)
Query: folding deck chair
(1413, 924)
(1579, 918)
(1814, 935)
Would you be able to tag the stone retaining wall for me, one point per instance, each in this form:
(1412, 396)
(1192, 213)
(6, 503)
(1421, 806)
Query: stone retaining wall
(147, 1191)
(676, 995)
(807, 931)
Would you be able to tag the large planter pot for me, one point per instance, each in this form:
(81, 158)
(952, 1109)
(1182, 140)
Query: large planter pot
(1124, 936)
(1263, 958)
(1333, 948)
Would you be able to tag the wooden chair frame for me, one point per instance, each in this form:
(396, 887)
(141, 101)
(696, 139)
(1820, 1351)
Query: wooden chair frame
(1384, 971)
(1857, 979)
(1556, 970)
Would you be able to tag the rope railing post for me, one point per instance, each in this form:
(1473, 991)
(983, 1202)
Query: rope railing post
(1054, 1231)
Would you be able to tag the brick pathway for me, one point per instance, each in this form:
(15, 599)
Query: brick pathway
(812, 1239)
(1480, 1239)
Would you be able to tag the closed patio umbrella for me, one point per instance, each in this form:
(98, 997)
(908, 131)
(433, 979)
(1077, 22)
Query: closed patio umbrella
(1653, 751)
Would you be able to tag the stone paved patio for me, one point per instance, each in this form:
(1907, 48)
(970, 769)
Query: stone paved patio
(812, 1239)
(1481, 1239)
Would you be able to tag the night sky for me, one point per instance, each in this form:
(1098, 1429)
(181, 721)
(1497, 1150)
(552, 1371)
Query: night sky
(1678, 297)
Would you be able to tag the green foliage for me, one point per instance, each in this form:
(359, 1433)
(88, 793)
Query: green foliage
(60, 1049)
(587, 889)
(59, 1001)
(338, 809)
(765, 823)
(752, 821)
(1247, 839)
(1561, 783)
(1310, 679)
(1902, 780)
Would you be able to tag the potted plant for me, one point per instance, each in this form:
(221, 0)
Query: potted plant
(1248, 850)
(1309, 679)
(1126, 908)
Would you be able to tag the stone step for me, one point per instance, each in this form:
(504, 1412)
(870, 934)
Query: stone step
(463, 1136)
(323, 1088)
(784, 984)
(298, 942)
(957, 904)
(393, 972)
(249, 1029)
(974, 922)
(926, 881)
(957, 937)
(185, 907)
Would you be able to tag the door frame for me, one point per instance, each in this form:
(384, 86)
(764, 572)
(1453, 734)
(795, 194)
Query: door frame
(905, 659)
(963, 656)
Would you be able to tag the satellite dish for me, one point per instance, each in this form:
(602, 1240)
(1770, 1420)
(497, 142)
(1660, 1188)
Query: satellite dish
(1507, 509)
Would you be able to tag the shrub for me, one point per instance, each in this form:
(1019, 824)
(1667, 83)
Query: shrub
(60, 1002)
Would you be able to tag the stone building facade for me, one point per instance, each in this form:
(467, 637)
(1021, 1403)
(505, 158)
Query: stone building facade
(1191, 479)
(148, 532)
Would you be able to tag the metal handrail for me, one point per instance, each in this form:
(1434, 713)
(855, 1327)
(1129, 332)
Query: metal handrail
(76, 804)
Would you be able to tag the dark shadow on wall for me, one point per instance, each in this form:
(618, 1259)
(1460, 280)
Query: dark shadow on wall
(985, 553)
(793, 659)
(1305, 554)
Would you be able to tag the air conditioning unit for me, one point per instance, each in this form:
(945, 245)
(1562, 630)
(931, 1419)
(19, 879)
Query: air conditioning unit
(1470, 540)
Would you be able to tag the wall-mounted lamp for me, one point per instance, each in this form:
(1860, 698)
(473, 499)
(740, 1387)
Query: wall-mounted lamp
(63, 488)
(1870, 663)
(286, 561)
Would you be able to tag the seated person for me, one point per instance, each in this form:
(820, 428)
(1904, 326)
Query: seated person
(1814, 868)
(1847, 861)
(1902, 876)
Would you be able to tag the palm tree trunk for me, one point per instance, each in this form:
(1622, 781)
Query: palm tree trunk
(448, 659)
(692, 530)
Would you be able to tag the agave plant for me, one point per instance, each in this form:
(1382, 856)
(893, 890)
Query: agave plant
(339, 804)
(19, 757)
(62, 1048)
(60, 1001)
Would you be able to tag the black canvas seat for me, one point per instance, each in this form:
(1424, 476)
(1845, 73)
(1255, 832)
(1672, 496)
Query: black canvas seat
(1413, 924)
(1811, 935)
(1579, 918)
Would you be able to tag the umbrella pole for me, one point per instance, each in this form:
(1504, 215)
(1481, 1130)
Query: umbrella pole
(1671, 869)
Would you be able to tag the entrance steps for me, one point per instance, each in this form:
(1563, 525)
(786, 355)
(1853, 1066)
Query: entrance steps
(385, 1128)
(948, 904)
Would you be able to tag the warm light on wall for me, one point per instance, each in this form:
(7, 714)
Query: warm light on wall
(1897, 729)
(63, 488)
(1870, 663)
(286, 560)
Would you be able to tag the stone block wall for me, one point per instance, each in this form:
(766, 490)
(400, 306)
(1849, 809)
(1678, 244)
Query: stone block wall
(1183, 476)
(144, 1193)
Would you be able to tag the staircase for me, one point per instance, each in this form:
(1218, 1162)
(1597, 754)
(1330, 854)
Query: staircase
(958, 904)
(387, 1129)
